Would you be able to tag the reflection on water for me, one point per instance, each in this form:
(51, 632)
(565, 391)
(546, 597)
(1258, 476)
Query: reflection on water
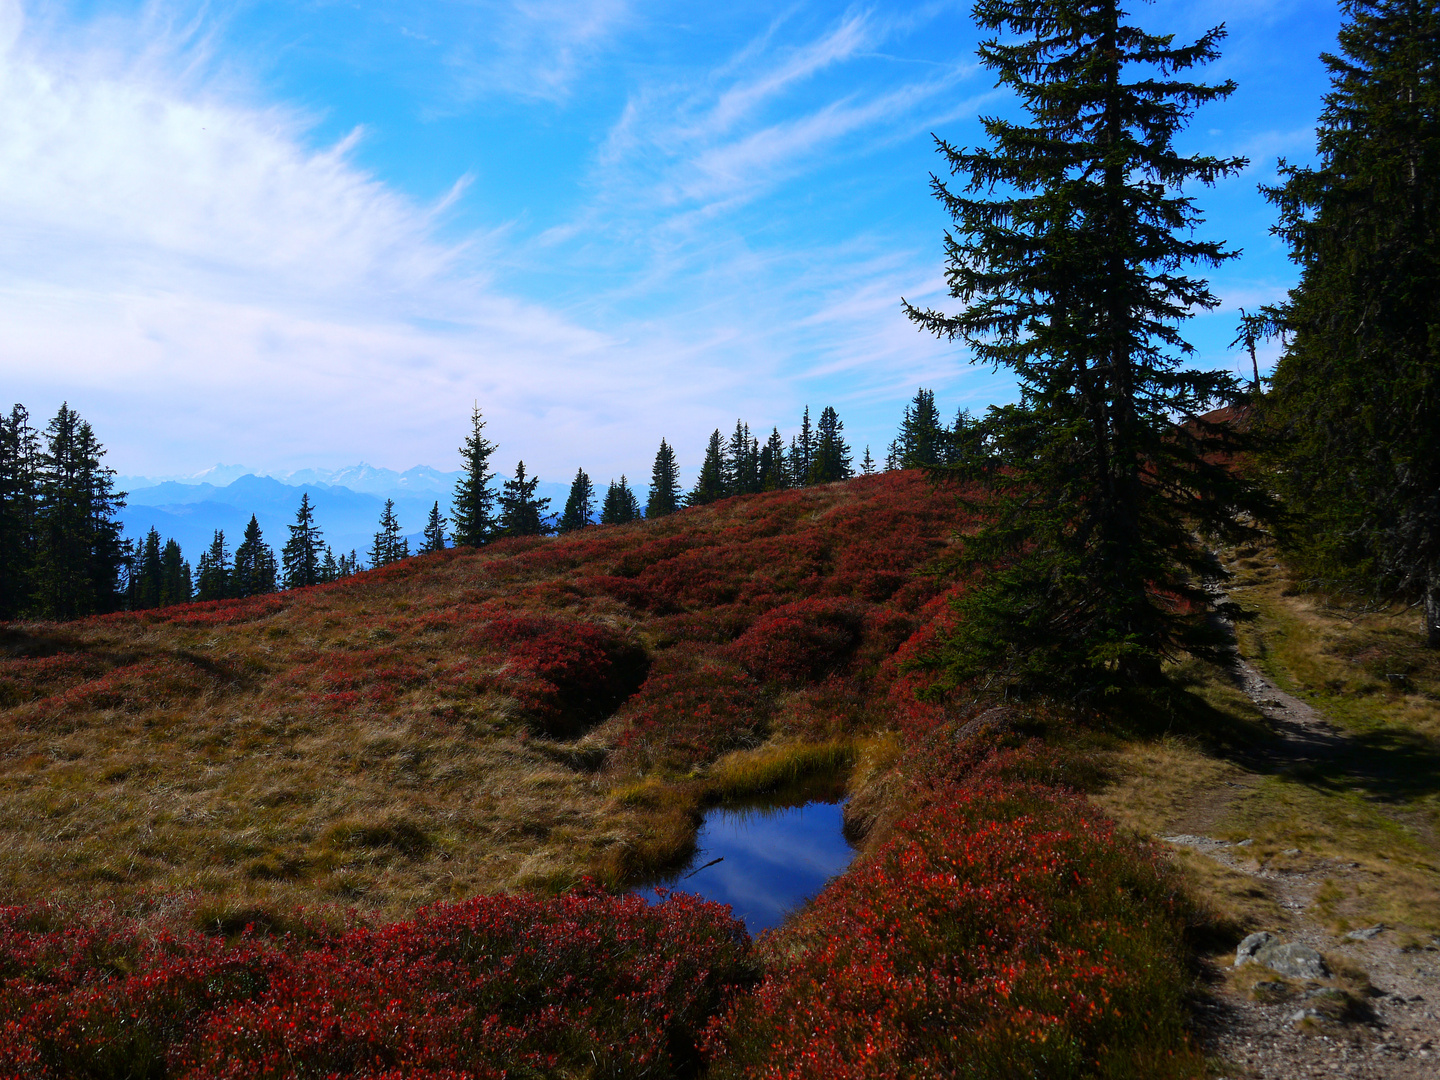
(764, 862)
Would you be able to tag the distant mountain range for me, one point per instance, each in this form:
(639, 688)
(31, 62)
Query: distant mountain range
(386, 483)
(348, 503)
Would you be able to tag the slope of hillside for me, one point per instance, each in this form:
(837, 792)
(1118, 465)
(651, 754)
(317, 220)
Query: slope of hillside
(410, 735)
(176, 786)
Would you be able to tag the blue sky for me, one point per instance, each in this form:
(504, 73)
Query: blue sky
(310, 233)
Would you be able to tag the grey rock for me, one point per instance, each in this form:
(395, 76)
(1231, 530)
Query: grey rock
(1366, 934)
(1245, 843)
(1246, 950)
(1292, 959)
(1291, 851)
(1305, 1014)
(996, 721)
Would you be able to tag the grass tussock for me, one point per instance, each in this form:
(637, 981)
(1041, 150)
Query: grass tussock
(746, 773)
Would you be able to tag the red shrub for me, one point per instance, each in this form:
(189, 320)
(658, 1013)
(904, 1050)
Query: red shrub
(342, 679)
(801, 642)
(133, 688)
(207, 613)
(1002, 931)
(30, 677)
(567, 674)
(692, 715)
(497, 986)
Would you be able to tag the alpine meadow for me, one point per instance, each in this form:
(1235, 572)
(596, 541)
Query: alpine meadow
(1085, 723)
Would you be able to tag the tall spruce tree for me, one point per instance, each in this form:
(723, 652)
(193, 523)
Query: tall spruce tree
(830, 460)
(329, 567)
(521, 513)
(710, 484)
(79, 552)
(1069, 251)
(255, 571)
(620, 506)
(922, 435)
(146, 574)
(472, 510)
(1356, 392)
(19, 509)
(741, 462)
(774, 466)
(389, 546)
(802, 451)
(960, 439)
(212, 576)
(434, 532)
(664, 484)
(867, 463)
(579, 504)
(176, 585)
(300, 558)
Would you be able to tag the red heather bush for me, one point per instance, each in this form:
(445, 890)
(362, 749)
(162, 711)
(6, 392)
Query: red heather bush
(206, 613)
(584, 984)
(684, 717)
(135, 688)
(568, 675)
(342, 680)
(30, 677)
(801, 642)
(1002, 931)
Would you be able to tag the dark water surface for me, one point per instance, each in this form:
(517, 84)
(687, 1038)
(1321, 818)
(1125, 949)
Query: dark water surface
(772, 859)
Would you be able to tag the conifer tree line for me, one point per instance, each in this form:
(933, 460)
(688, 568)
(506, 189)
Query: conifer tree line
(62, 554)
(1354, 404)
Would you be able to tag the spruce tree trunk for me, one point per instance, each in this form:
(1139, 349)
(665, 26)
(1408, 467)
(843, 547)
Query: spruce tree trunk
(1432, 609)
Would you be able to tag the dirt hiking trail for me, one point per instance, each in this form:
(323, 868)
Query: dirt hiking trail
(1375, 1012)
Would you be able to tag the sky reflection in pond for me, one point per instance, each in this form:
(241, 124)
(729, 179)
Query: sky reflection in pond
(773, 859)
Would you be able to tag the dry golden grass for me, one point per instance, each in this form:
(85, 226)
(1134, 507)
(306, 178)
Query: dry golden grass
(381, 809)
(239, 786)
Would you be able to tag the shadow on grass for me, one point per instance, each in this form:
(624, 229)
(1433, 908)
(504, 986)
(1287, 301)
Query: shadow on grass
(1390, 765)
(1179, 709)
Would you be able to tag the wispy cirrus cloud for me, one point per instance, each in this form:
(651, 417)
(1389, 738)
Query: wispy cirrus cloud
(532, 48)
(765, 116)
(201, 272)
(703, 193)
(185, 266)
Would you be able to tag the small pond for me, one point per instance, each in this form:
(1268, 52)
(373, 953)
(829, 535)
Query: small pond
(763, 860)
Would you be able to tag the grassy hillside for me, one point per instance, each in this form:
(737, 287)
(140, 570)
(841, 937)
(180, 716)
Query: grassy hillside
(459, 723)
(192, 798)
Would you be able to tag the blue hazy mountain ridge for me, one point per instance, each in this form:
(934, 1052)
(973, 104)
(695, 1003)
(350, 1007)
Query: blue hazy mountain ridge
(361, 477)
(190, 513)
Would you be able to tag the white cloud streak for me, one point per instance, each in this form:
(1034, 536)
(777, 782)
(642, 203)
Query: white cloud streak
(532, 48)
(184, 267)
(188, 268)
